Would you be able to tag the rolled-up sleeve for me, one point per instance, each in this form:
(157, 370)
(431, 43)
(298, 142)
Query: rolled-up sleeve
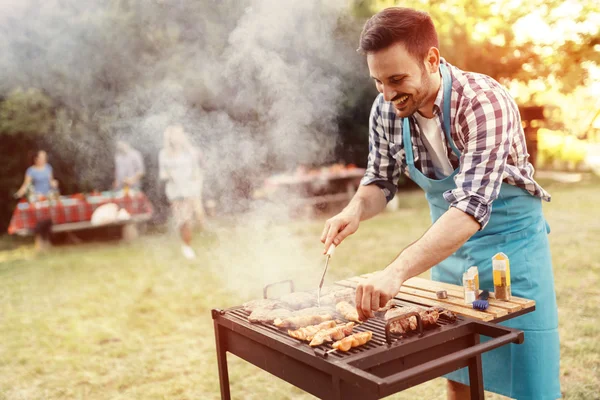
(382, 168)
(486, 123)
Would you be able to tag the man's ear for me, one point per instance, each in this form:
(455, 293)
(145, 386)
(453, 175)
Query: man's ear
(432, 61)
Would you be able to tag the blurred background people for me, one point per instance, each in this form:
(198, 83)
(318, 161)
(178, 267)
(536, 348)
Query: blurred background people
(38, 177)
(129, 167)
(39, 180)
(179, 168)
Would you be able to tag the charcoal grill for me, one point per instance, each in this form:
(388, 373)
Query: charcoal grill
(378, 369)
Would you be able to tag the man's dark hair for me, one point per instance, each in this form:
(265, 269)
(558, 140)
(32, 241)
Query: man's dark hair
(414, 29)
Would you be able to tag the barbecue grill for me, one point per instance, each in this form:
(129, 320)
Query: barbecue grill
(385, 365)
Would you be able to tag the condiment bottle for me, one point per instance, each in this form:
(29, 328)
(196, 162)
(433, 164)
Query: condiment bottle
(501, 268)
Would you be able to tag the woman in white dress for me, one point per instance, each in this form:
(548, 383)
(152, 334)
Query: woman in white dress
(179, 167)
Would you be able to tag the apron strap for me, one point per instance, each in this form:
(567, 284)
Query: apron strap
(447, 80)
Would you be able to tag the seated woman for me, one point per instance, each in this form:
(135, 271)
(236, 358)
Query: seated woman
(39, 175)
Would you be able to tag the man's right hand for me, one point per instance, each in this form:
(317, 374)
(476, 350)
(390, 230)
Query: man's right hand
(338, 228)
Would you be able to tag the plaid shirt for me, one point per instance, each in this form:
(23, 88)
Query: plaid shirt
(486, 129)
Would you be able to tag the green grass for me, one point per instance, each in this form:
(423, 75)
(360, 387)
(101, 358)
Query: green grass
(117, 321)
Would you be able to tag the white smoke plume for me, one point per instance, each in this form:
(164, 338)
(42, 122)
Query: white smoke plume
(258, 84)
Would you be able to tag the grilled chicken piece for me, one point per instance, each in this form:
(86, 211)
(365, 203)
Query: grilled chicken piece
(264, 304)
(404, 325)
(348, 311)
(301, 321)
(308, 332)
(299, 300)
(429, 317)
(268, 316)
(355, 340)
(314, 311)
(331, 334)
(346, 294)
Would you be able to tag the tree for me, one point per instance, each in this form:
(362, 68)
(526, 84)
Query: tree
(479, 35)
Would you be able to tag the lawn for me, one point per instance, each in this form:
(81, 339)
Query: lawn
(106, 320)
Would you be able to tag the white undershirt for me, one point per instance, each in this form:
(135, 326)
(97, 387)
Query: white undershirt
(432, 135)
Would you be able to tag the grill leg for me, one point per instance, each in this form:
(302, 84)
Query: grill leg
(337, 389)
(476, 374)
(222, 362)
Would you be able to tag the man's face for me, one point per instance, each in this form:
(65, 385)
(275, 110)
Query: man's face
(401, 78)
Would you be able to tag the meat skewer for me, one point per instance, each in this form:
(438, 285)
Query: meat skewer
(429, 317)
(406, 324)
(329, 335)
(355, 340)
(301, 321)
(308, 332)
(348, 311)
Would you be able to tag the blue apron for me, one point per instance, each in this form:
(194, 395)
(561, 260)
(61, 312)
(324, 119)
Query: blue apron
(518, 229)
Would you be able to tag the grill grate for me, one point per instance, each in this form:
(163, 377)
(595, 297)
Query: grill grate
(375, 325)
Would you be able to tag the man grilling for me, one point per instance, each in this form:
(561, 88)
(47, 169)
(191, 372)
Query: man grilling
(457, 135)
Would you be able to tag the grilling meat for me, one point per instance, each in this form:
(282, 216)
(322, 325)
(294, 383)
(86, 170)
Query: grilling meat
(300, 321)
(308, 332)
(355, 340)
(331, 334)
(268, 316)
(299, 300)
(264, 304)
(406, 324)
(336, 296)
(429, 318)
(315, 311)
(347, 311)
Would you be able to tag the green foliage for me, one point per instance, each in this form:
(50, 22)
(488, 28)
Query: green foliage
(28, 112)
(478, 35)
(560, 150)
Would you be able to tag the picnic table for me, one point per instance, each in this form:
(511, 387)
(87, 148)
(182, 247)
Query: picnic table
(74, 212)
(306, 190)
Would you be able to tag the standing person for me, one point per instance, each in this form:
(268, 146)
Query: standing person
(129, 167)
(39, 178)
(178, 167)
(458, 135)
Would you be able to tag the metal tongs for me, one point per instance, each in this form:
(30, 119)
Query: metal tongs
(327, 257)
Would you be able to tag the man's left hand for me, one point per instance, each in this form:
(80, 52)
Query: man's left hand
(377, 291)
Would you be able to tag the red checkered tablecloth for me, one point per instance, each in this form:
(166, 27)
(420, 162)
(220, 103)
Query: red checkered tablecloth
(75, 208)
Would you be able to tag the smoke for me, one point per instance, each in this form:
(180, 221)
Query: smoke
(257, 84)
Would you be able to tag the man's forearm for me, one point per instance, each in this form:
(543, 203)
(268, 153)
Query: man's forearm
(367, 202)
(440, 241)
